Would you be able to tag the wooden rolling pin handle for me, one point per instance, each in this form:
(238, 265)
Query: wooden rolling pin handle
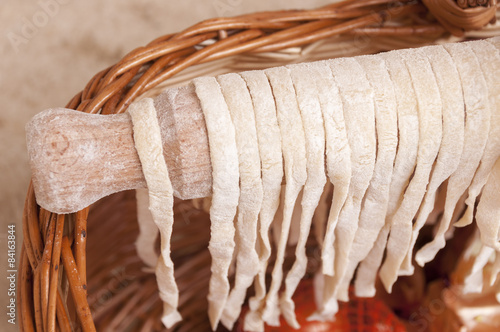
(77, 158)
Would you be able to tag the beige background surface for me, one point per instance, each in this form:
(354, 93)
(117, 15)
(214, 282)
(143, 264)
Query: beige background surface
(49, 49)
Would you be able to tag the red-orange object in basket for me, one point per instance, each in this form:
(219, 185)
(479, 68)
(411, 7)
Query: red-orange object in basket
(357, 315)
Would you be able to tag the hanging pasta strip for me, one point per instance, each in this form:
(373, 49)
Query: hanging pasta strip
(338, 165)
(225, 191)
(303, 77)
(148, 143)
(269, 140)
(294, 154)
(489, 59)
(359, 115)
(293, 236)
(430, 133)
(450, 89)
(404, 165)
(240, 107)
(148, 231)
(477, 125)
(495, 271)
(338, 156)
(474, 280)
(372, 216)
(488, 210)
(320, 216)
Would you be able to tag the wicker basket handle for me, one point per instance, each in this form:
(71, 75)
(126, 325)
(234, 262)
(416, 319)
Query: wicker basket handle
(77, 158)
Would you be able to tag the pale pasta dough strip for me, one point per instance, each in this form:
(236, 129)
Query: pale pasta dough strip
(148, 143)
(404, 165)
(320, 217)
(474, 280)
(269, 140)
(450, 151)
(430, 133)
(338, 165)
(359, 115)
(495, 270)
(240, 107)
(294, 155)
(477, 125)
(148, 231)
(307, 97)
(488, 210)
(489, 57)
(338, 156)
(372, 216)
(225, 192)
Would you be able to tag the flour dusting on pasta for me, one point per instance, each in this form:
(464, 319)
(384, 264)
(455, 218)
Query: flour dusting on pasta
(361, 152)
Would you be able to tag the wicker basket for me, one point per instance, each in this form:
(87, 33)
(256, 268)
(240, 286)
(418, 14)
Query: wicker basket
(102, 283)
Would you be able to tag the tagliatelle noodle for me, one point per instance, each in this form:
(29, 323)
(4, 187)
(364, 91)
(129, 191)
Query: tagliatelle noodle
(269, 140)
(240, 107)
(148, 143)
(225, 191)
(473, 282)
(438, 203)
(294, 155)
(359, 115)
(278, 219)
(477, 124)
(404, 165)
(312, 119)
(148, 231)
(489, 59)
(321, 215)
(430, 135)
(495, 270)
(450, 151)
(338, 164)
(276, 226)
(295, 222)
(488, 210)
(338, 156)
(372, 216)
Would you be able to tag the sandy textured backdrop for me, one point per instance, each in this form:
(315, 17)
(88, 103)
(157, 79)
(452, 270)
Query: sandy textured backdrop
(51, 48)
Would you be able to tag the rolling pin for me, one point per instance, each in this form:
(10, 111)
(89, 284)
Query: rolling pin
(78, 158)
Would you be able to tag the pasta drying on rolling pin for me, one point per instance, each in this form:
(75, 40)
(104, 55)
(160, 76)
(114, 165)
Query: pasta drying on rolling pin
(394, 133)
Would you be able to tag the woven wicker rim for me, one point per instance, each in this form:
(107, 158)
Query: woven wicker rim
(51, 239)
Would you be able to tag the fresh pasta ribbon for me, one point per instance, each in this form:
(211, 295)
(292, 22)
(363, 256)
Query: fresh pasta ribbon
(372, 216)
(240, 107)
(294, 156)
(359, 115)
(148, 143)
(450, 151)
(429, 107)
(338, 156)
(404, 164)
(225, 192)
(490, 63)
(269, 140)
(477, 124)
(148, 231)
(312, 120)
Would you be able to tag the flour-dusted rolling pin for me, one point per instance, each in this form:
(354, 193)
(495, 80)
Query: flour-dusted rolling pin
(77, 158)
